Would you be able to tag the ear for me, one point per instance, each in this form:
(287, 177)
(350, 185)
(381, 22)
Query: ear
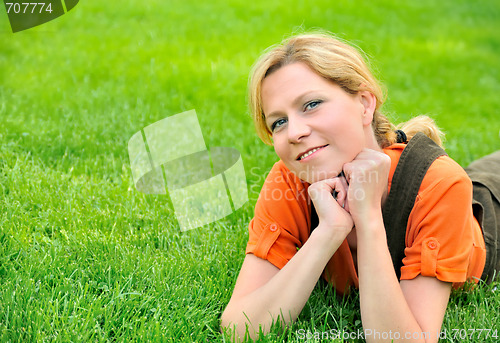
(369, 102)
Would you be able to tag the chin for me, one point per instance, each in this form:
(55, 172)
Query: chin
(319, 176)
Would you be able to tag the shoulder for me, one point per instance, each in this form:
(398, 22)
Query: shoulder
(283, 198)
(280, 175)
(442, 174)
(282, 186)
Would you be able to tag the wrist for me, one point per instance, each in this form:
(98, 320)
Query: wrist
(370, 224)
(330, 236)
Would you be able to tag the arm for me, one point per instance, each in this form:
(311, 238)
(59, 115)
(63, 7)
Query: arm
(413, 308)
(410, 311)
(263, 292)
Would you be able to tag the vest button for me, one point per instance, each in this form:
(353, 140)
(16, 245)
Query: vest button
(273, 227)
(432, 245)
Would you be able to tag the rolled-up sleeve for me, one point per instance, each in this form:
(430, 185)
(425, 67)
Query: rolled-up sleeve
(281, 221)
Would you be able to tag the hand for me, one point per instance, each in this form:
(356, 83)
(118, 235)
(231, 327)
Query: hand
(332, 213)
(367, 176)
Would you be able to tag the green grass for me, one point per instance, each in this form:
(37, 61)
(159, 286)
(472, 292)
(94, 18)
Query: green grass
(85, 257)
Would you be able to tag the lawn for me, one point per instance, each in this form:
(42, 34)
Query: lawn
(84, 256)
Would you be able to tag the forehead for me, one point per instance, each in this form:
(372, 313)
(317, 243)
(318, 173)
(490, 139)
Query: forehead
(289, 82)
(297, 71)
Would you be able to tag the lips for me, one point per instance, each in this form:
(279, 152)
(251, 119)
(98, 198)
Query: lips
(309, 152)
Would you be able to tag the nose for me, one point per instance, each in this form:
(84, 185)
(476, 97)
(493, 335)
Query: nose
(298, 128)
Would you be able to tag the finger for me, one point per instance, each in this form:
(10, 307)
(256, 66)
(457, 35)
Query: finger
(343, 200)
(339, 187)
(323, 187)
(347, 170)
(329, 190)
(343, 181)
(341, 190)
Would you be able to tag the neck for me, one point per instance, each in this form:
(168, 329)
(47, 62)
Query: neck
(370, 140)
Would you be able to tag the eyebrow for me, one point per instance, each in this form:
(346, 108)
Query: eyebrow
(298, 100)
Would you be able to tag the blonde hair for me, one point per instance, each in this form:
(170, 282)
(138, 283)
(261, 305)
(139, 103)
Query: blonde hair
(339, 62)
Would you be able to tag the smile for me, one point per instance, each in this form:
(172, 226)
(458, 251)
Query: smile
(309, 152)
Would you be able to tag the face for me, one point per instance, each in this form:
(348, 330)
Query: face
(316, 126)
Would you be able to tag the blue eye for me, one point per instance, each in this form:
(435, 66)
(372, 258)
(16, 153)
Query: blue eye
(277, 124)
(312, 105)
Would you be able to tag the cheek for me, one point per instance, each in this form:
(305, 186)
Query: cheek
(346, 131)
(279, 148)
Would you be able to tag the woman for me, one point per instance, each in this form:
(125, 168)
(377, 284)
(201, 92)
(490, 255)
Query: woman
(315, 97)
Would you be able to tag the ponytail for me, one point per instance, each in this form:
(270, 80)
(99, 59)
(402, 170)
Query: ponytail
(385, 131)
(423, 124)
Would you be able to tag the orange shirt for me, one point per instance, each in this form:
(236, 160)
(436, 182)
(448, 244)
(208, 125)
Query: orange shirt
(443, 239)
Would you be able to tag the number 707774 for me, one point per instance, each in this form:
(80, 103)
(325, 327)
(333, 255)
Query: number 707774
(17, 7)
